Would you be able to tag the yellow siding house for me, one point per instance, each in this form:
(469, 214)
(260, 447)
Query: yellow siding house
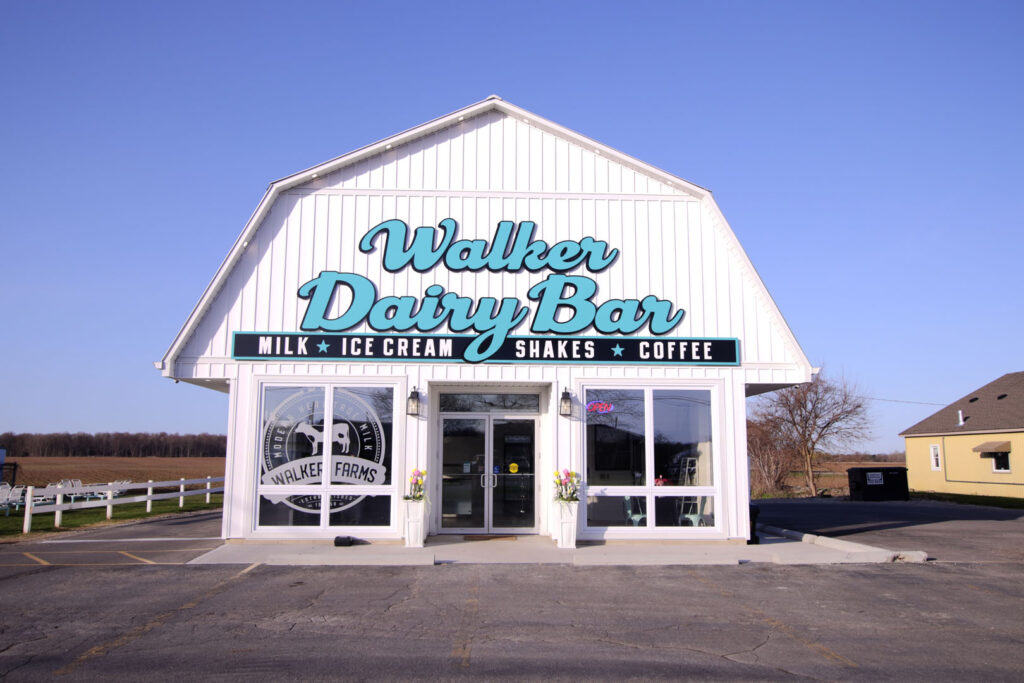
(973, 446)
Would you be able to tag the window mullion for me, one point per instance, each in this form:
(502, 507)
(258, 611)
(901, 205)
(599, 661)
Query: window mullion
(325, 478)
(649, 453)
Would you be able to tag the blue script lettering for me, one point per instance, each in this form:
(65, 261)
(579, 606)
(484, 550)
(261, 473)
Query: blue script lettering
(622, 316)
(512, 249)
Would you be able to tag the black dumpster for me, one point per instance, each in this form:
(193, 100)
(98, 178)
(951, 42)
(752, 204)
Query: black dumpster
(878, 483)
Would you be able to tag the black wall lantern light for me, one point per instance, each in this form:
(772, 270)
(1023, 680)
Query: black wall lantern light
(412, 404)
(565, 404)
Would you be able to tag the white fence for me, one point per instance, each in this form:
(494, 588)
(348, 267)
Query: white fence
(109, 495)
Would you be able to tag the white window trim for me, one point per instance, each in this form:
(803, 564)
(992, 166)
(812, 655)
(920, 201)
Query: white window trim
(935, 457)
(715, 492)
(394, 490)
(1008, 469)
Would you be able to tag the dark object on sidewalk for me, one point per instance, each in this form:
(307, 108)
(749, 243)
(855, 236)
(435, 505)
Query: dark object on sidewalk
(755, 510)
(343, 541)
(878, 483)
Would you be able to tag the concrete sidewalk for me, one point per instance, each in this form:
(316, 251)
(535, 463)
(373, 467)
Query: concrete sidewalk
(775, 548)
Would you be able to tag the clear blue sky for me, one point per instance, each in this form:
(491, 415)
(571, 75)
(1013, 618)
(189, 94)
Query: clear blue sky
(868, 155)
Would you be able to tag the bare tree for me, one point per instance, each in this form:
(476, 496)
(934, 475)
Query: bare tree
(771, 459)
(821, 414)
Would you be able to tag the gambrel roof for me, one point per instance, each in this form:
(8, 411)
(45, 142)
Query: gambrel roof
(362, 169)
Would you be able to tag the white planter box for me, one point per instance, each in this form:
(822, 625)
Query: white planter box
(567, 523)
(416, 515)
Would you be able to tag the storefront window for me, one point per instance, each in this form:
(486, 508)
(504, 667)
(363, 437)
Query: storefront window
(289, 510)
(642, 444)
(292, 436)
(487, 403)
(361, 435)
(306, 459)
(682, 438)
(369, 511)
(684, 511)
(616, 511)
(615, 437)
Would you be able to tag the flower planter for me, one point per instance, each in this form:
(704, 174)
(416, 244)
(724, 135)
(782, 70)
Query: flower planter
(416, 512)
(567, 522)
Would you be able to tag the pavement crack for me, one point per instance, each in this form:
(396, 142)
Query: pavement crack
(154, 623)
(462, 646)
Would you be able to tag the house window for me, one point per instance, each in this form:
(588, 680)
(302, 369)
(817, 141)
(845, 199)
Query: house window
(1000, 462)
(936, 457)
(649, 457)
(325, 456)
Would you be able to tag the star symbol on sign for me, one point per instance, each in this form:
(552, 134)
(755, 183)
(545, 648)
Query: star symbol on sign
(322, 346)
(617, 350)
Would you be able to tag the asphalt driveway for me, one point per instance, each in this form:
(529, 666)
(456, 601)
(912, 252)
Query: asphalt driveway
(948, 532)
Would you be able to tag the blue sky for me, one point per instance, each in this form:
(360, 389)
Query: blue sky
(868, 155)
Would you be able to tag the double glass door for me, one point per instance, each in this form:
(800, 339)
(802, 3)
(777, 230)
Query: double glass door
(488, 480)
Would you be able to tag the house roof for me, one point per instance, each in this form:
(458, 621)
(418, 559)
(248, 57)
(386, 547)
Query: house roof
(996, 407)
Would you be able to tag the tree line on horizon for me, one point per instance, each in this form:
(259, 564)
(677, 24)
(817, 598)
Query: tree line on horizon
(116, 444)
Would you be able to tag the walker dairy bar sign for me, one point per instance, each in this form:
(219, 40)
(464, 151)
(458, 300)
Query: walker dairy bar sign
(560, 304)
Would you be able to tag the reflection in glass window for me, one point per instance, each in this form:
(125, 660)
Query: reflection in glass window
(486, 403)
(298, 441)
(615, 437)
(368, 511)
(605, 511)
(361, 435)
(684, 511)
(291, 447)
(289, 511)
(682, 438)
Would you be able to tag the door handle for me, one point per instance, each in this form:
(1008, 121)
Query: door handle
(483, 480)
(494, 481)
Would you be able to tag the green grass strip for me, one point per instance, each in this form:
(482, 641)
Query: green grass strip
(79, 519)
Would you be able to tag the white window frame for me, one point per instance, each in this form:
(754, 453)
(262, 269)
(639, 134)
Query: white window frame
(324, 489)
(715, 492)
(998, 471)
(935, 457)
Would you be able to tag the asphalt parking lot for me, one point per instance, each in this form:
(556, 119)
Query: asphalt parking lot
(162, 541)
(116, 616)
(948, 532)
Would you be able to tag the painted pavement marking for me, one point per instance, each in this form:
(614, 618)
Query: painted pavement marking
(136, 557)
(132, 540)
(159, 620)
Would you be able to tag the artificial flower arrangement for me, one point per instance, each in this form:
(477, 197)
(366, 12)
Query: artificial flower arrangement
(416, 479)
(567, 486)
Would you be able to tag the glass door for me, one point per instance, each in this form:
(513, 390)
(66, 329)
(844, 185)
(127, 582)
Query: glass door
(488, 478)
(512, 484)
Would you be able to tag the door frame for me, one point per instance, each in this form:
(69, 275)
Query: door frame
(488, 527)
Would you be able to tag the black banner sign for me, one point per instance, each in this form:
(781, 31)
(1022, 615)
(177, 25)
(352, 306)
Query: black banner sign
(429, 348)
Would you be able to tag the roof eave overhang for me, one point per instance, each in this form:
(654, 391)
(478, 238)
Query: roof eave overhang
(1009, 430)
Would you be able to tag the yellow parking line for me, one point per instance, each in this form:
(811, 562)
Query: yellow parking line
(102, 552)
(37, 559)
(136, 557)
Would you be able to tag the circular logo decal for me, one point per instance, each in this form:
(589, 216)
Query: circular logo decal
(296, 437)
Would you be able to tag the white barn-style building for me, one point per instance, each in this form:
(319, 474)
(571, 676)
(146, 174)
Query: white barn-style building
(489, 297)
